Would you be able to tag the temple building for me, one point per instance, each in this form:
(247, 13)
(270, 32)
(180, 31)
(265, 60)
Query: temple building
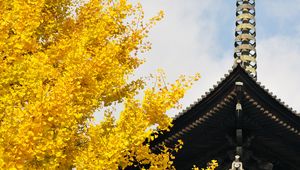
(239, 122)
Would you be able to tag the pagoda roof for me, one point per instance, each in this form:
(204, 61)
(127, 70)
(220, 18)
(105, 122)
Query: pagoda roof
(271, 129)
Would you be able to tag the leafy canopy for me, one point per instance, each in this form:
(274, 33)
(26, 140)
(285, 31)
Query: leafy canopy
(60, 61)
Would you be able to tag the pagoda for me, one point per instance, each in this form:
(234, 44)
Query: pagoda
(239, 122)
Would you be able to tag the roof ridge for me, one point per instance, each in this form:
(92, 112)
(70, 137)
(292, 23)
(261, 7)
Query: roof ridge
(206, 93)
(182, 112)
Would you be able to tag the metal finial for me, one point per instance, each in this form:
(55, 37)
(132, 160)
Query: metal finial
(237, 164)
(245, 33)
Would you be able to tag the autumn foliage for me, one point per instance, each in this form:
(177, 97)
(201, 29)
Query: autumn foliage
(61, 60)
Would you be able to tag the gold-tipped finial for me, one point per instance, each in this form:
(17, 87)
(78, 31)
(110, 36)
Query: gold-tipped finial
(245, 42)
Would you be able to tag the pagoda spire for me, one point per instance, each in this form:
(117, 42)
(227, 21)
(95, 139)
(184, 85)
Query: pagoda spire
(245, 32)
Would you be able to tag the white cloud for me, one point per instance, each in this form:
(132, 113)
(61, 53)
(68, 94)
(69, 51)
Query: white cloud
(282, 10)
(279, 67)
(191, 39)
(279, 52)
(187, 41)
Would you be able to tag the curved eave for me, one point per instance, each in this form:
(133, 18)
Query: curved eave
(206, 126)
(222, 95)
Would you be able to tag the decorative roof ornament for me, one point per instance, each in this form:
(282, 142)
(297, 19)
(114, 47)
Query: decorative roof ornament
(245, 32)
(237, 164)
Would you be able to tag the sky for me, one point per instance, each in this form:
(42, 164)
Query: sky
(198, 36)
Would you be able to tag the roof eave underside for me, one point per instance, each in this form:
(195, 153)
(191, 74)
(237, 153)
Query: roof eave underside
(224, 91)
(266, 108)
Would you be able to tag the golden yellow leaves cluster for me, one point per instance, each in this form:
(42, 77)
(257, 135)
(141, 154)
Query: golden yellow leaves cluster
(124, 138)
(211, 166)
(58, 66)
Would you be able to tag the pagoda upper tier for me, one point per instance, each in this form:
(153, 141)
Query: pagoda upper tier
(237, 116)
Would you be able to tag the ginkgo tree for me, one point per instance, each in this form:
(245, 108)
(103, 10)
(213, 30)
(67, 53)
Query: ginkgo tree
(61, 60)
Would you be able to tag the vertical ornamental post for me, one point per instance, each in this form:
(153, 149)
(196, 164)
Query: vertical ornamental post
(245, 32)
